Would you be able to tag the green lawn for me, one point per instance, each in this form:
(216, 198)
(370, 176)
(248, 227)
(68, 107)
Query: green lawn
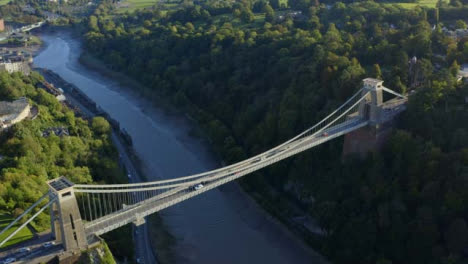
(22, 235)
(132, 5)
(4, 2)
(424, 3)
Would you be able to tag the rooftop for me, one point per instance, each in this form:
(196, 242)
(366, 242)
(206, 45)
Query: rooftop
(372, 81)
(59, 184)
(15, 107)
(7, 55)
(463, 71)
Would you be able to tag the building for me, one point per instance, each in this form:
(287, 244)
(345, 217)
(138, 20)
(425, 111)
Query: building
(13, 112)
(57, 92)
(15, 61)
(463, 73)
(455, 34)
(2, 25)
(293, 14)
(58, 131)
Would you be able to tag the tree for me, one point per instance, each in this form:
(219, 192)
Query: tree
(100, 125)
(457, 235)
(269, 13)
(246, 15)
(275, 4)
(460, 24)
(454, 68)
(93, 23)
(376, 72)
(456, 3)
(333, 37)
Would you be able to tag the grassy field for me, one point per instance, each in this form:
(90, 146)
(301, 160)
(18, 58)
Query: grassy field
(423, 3)
(132, 5)
(23, 235)
(4, 2)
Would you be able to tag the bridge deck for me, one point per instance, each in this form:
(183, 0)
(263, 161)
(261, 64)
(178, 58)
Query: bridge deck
(179, 194)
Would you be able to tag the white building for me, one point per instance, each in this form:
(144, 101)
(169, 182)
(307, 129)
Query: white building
(463, 73)
(13, 112)
(15, 61)
(16, 66)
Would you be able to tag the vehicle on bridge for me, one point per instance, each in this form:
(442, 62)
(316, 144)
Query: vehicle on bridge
(9, 260)
(197, 187)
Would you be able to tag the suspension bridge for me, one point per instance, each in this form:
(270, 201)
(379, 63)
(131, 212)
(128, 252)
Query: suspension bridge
(80, 212)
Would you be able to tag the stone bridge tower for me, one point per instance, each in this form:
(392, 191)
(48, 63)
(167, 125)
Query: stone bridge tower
(66, 224)
(370, 138)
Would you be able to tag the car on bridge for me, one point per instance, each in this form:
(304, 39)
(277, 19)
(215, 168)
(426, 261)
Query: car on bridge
(274, 152)
(325, 134)
(197, 187)
(256, 160)
(9, 260)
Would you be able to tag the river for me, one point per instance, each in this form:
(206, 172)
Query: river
(219, 226)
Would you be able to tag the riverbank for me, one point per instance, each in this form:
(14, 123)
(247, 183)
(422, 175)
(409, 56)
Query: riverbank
(262, 201)
(84, 107)
(87, 107)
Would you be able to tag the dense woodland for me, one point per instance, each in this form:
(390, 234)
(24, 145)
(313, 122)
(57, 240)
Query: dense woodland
(29, 157)
(254, 74)
(32, 11)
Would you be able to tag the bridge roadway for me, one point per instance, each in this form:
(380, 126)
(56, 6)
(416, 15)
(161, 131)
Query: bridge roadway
(184, 192)
(337, 116)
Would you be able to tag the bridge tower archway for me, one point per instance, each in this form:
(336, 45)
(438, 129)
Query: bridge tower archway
(370, 107)
(66, 223)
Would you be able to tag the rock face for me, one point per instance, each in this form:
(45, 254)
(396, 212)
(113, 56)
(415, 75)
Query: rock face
(365, 140)
(99, 254)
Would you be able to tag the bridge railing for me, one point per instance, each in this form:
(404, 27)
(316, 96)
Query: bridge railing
(98, 202)
(317, 128)
(150, 206)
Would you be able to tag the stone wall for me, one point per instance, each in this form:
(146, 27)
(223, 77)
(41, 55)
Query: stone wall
(365, 140)
(14, 112)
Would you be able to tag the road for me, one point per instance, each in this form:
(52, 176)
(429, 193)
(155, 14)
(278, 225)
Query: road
(143, 249)
(38, 252)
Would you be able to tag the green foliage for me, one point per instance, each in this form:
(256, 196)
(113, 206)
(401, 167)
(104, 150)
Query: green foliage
(100, 126)
(460, 24)
(29, 158)
(22, 235)
(253, 83)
